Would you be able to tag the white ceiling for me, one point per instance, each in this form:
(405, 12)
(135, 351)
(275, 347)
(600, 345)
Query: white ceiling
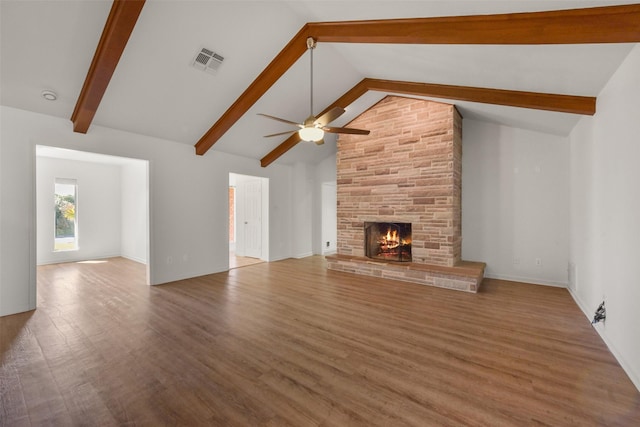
(154, 91)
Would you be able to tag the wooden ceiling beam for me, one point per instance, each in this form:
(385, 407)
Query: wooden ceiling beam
(584, 105)
(609, 24)
(115, 35)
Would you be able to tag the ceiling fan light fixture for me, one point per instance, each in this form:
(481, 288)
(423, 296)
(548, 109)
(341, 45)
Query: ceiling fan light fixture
(311, 134)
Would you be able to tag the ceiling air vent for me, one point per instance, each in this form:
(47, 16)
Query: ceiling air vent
(207, 60)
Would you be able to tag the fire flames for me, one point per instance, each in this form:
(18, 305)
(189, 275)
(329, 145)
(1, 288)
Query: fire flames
(388, 241)
(391, 240)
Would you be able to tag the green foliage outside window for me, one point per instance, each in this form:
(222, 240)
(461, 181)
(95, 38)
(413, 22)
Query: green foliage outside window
(65, 216)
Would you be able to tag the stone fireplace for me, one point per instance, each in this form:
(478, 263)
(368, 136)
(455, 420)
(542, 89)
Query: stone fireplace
(407, 171)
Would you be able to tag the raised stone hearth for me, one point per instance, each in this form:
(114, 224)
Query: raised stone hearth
(408, 170)
(466, 276)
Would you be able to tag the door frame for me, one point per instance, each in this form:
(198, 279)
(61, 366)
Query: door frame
(234, 179)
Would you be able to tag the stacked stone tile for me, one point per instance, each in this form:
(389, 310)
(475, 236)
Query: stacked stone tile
(407, 170)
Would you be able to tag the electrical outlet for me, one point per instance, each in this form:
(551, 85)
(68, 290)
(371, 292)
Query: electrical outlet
(516, 261)
(328, 244)
(538, 262)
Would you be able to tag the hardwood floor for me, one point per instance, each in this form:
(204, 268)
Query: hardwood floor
(291, 343)
(236, 261)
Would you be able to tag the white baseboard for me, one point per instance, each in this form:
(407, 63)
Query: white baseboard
(76, 259)
(135, 259)
(304, 255)
(527, 280)
(633, 376)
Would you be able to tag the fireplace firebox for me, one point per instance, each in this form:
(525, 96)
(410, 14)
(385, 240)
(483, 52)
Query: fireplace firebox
(389, 241)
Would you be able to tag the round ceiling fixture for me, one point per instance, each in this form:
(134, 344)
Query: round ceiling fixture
(49, 95)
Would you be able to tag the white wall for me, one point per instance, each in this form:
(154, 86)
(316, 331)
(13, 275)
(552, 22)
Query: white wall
(177, 179)
(17, 202)
(98, 209)
(134, 232)
(515, 205)
(303, 225)
(2, 226)
(329, 222)
(605, 212)
(325, 207)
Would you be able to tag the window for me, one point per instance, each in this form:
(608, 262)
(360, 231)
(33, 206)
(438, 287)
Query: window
(66, 215)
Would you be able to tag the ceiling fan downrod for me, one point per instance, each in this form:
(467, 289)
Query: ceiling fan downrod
(311, 44)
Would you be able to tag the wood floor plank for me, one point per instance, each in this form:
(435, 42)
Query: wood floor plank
(292, 343)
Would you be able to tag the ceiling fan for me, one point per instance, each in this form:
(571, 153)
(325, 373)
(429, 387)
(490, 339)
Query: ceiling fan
(313, 128)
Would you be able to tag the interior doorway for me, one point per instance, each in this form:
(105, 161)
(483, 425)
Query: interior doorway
(106, 214)
(248, 220)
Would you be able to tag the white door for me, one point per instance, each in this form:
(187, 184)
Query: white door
(251, 193)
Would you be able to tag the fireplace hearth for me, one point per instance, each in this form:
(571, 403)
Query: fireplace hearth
(390, 241)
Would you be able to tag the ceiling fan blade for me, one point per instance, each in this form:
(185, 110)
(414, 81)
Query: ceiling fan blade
(329, 116)
(320, 142)
(346, 130)
(280, 120)
(281, 133)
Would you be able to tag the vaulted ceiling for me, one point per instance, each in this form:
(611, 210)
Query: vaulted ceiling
(155, 91)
